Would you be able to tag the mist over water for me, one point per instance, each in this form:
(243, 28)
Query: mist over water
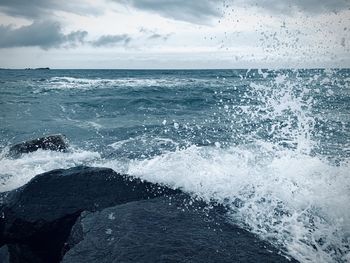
(272, 146)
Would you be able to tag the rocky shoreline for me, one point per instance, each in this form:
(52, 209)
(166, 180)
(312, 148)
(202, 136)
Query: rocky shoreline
(88, 214)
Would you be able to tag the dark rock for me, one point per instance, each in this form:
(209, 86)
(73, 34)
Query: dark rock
(163, 230)
(22, 253)
(4, 254)
(53, 142)
(38, 216)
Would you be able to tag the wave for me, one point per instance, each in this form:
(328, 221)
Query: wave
(68, 83)
(17, 172)
(295, 201)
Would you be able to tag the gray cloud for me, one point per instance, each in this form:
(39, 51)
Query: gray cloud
(44, 34)
(48, 34)
(289, 6)
(154, 35)
(111, 40)
(199, 12)
(35, 9)
(159, 36)
(202, 12)
(194, 11)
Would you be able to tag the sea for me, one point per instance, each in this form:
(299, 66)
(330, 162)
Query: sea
(273, 146)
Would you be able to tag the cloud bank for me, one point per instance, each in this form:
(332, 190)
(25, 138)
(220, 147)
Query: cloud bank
(202, 12)
(37, 9)
(193, 11)
(111, 40)
(48, 34)
(198, 12)
(44, 34)
(288, 6)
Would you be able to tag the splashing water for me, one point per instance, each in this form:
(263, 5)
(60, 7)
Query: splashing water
(17, 172)
(275, 184)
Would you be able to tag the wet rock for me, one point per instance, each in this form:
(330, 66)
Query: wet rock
(163, 230)
(53, 142)
(38, 217)
(4, 254)
(22, 253)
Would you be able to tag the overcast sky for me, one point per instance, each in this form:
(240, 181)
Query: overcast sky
(174, 33)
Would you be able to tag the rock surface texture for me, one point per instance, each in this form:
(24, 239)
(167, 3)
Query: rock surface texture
(37, 218)
(163, 229)
(53, 142)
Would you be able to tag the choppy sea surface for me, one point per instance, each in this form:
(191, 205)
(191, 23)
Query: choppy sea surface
(271, 145)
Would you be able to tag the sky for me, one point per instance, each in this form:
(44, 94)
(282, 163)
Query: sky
(174, 34)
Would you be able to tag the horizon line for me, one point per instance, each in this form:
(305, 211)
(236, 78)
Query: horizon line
(261, 68)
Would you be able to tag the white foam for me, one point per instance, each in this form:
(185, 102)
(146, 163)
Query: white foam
(66, 83)
(295, 199)
(289, 198)
(145, 142)
(16, 172)
(275, 196)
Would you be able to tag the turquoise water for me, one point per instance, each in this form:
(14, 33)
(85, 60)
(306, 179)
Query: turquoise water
(272, 145)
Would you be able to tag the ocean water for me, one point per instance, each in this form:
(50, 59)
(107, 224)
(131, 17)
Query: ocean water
(271, 145)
